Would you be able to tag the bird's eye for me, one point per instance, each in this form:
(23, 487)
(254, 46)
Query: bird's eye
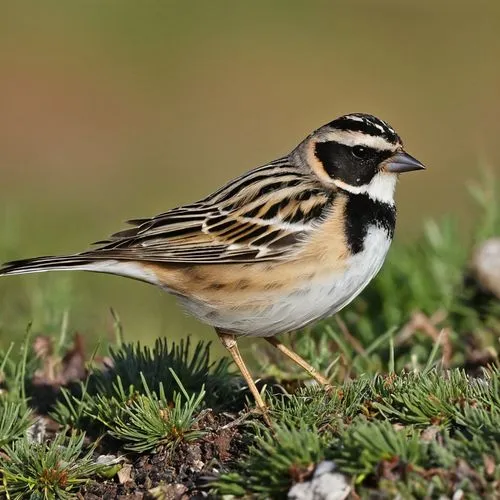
(360, 152)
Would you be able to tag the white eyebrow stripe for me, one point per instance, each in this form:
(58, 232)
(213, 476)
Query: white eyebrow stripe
(355, 118)
(351, 138)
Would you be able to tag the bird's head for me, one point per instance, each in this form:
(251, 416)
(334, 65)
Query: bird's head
(358, 153)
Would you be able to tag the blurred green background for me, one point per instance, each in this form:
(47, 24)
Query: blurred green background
(111, 110)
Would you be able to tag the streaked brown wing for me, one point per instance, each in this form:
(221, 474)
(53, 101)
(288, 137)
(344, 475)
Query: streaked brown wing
(263, 215)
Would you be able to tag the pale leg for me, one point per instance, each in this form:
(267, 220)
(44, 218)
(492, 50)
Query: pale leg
(297, 359)
(229, 342)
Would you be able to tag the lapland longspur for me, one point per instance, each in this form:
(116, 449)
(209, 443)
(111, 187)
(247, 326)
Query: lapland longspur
(282, 246)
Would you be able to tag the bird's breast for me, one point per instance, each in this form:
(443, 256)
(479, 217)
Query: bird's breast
(264, 299)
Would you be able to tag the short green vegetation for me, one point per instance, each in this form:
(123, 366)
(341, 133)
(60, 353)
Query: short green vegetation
(413, 412)
(414, 434)
(43, 470)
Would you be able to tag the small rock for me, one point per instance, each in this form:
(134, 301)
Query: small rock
(325, 484)
(486, 266)
(169, 492)
(125, 474)
(37, 431)
(108, 459)
(197, 465)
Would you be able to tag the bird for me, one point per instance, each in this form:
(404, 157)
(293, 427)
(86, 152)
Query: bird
(276, 249)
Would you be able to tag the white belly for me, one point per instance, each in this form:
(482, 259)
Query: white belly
(309, 303)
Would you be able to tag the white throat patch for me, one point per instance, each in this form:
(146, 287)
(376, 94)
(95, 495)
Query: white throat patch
(381, 187)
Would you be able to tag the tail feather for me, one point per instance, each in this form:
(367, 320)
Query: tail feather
(41, 264)
(82, 262)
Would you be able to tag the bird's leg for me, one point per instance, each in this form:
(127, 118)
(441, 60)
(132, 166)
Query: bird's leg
(301, 362)
(229, 342)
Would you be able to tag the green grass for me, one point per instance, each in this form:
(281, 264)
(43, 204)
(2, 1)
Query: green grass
(421, 426)
(414, 411)
(37, 470)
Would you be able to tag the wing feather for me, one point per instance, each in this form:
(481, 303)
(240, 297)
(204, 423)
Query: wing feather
(265, 214)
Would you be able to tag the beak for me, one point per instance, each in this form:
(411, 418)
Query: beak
(402, 162)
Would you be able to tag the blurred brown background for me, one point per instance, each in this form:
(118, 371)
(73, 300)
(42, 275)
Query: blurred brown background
(111, 110)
